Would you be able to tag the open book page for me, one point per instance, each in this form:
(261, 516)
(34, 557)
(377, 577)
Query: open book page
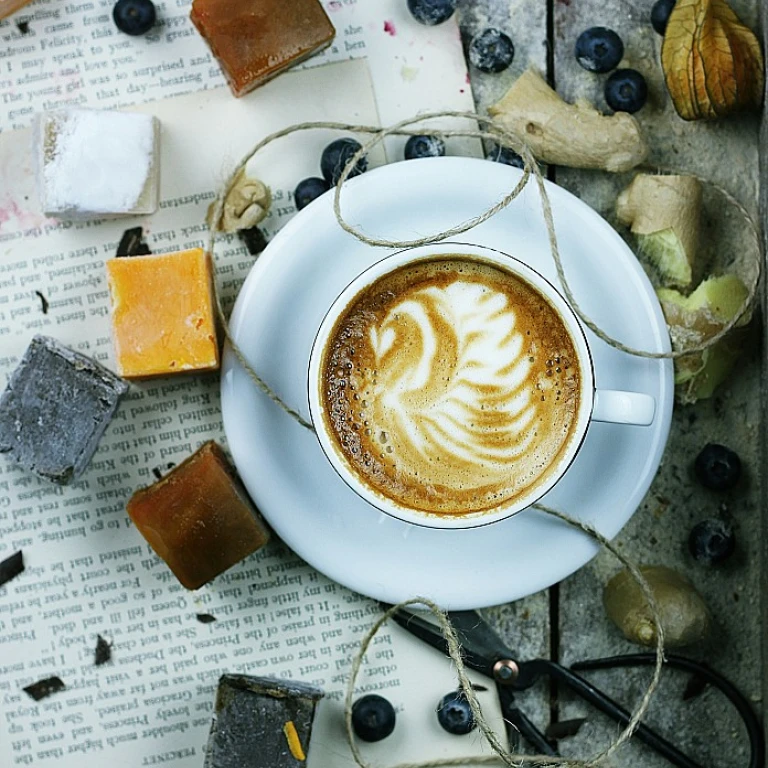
(72, 54)
(89, 572)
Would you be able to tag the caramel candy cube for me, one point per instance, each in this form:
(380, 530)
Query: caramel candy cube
(199, 518)
(254, 40)
(163, 318)
(261, 722)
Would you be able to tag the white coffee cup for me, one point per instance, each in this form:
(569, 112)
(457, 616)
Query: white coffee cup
(630, 408)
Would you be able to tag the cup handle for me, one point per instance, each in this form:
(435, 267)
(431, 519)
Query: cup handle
(618, 407)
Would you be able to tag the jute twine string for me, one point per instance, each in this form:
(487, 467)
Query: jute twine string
(500, 753)
(502, 136)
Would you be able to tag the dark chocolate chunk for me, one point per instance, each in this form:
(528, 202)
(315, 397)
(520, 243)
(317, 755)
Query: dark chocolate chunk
(44, 688)
(131, 243)
(43, 301)
(565, 728)
(261, 722)
(254, 240)
(55, 408)
(11, 567)
(103, 652)
(205, 618)
(695, 687)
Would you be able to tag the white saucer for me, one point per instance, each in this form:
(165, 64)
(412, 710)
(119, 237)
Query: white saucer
(274, 322)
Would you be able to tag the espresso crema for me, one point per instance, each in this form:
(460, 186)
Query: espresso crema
(450, 386)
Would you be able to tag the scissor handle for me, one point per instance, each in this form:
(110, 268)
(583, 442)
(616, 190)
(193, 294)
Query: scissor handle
(742, 706)
(532, 670)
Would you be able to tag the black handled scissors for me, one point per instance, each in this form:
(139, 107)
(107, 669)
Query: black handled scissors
(485, 652)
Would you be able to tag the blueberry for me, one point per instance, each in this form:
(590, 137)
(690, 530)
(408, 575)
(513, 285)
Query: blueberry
(717, 467)
(134, 17)
(335, 157)
(454, 713)
(309, 189)
(711, 541)
(505, 155)
(491, 51)
(660, 14)
(424, 146)
(373, 717)
(599, 49)
(431, 12)
(626, 90)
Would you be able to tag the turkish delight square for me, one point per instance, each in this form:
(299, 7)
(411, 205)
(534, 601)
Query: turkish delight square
(55, 408)
(162, 310)
(261, 722)
(199, 518)
(254, 40)
(94, 163)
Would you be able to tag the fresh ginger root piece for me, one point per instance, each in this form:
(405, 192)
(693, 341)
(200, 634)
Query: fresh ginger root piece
(694, 319)
(664, 213)
(573, 135)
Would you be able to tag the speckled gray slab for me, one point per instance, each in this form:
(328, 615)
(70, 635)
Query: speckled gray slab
(55, 408)
(250, 716)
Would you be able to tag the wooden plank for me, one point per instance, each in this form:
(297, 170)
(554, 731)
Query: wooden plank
(525, 623)
(725, 152)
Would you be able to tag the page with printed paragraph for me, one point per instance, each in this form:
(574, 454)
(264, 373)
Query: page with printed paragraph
(89, 573)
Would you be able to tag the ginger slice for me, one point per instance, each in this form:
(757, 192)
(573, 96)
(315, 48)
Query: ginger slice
(694, 319)
(573, 135)
(664, 213)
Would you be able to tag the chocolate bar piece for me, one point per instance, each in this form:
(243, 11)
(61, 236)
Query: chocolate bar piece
(198, 517)
(55, 408)
(254, 40)
(42, 689)
(11, 567)
(261, 722)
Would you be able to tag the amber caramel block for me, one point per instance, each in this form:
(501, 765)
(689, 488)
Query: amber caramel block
(199, 518)
(254, 40)
(163, 318)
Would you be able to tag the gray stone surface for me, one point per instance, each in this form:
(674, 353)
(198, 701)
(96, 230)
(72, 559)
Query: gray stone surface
(724, 152)
(55, 408)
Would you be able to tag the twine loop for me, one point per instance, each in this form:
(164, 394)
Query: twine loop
(488, 130)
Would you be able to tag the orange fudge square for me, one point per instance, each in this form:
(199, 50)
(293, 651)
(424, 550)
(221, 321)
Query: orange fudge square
(254, 40)
(163, 318)
(199, 518)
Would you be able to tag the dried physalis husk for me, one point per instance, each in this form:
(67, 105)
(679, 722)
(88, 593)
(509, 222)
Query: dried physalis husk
(712, 63)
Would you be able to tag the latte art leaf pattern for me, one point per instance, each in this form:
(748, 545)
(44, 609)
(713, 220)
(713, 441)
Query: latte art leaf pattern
(450, 386)
(440, 399)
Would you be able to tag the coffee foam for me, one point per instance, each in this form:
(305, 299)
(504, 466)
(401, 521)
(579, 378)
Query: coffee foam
(451, 386)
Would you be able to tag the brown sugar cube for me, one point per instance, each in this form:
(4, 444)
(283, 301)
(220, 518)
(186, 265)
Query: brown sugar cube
(254, 40)
(199, 518)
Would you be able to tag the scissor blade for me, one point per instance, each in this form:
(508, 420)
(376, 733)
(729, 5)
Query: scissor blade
(479, 638)
(466, 624)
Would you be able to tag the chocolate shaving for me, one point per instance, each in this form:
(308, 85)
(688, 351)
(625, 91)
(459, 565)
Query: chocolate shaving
(103, 652)
(11, 567)
(131, 243)
(254, 240)
(696, 686)
(23, 27)
(43, 301)
(565, 728)
(44, 688)
(205, 618)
